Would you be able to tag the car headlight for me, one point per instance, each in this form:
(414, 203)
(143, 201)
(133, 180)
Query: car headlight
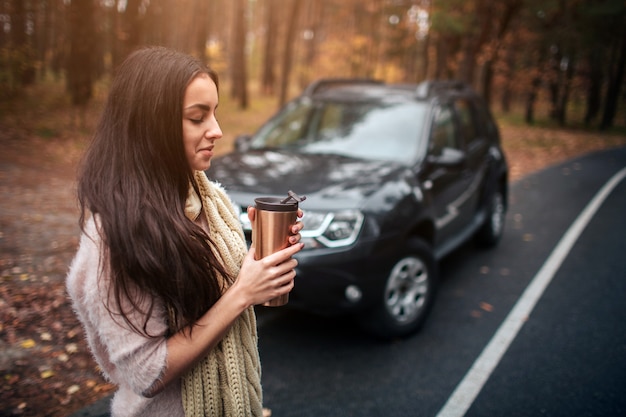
(331, 230)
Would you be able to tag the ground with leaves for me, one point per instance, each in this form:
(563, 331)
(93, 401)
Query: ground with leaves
(45, 365)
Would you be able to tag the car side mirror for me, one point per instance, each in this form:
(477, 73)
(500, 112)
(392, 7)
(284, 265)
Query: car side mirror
(242, 143)
(449, 157)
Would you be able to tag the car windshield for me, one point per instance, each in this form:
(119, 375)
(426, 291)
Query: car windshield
(385, 130)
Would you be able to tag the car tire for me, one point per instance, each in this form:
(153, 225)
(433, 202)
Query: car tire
(491, 231)
(407, 295)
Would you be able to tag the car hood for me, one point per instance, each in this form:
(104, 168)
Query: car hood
(327, 180)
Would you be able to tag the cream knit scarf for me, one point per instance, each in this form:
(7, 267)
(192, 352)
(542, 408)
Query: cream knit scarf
(227, 382)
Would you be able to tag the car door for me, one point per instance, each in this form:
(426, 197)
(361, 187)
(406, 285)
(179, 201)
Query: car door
(475, 146)
(444, 172)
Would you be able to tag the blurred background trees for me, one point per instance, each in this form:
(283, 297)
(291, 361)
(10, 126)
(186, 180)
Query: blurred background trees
(563, 59)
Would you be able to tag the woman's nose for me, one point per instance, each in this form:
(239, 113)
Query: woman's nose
(214, 131)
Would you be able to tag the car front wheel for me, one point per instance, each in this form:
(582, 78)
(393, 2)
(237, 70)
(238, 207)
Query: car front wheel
(407, 295)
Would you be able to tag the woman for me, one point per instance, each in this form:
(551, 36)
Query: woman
(162, 281)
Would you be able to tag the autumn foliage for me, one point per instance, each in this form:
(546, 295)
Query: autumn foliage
(519, 54)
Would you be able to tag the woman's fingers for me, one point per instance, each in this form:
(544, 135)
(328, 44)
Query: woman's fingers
(296, 228)
(251, 213)
(273, 275)
(283, 254)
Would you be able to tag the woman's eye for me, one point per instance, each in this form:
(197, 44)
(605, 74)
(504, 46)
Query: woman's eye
(196, 121)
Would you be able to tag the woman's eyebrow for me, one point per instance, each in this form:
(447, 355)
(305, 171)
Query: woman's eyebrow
(200, 106)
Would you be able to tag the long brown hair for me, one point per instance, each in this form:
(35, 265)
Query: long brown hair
(135, 177)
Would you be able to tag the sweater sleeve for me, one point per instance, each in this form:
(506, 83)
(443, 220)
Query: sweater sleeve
(126, 357)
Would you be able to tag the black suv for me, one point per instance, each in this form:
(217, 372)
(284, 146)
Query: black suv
(396, 177)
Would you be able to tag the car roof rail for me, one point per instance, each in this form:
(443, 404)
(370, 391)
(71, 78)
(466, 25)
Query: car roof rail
(428, 88)
(328, 83)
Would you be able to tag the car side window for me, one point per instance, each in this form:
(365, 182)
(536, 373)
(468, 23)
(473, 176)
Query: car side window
(443, 133)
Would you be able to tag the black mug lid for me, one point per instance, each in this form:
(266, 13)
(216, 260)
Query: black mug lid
(275, 204)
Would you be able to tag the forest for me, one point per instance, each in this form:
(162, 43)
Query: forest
(562, 60)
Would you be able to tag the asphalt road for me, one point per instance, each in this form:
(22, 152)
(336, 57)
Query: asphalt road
(535, 327)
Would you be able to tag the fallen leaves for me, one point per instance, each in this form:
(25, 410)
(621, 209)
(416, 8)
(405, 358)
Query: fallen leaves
(45, 365)
(486, 307)
(28, 344)
(483, 307)
(46, 373)
(529, 149)
(44, 361)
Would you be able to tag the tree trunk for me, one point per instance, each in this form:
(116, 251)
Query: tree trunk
(615, 85)
(531, 97)
(201, 28)
(42, 23)
(157, 23)
(506, 17)
(594, 90)
(424, 59)
(554, 83)
(564, 94)
(58, 34)
(24, 66)
(537, 67)
(268, 77)
(443, 52)
(288, 50)
(315, 15)
(487, 78)
(507, 94)
(465, 72)
(129, 31)
(376, 36)
(473, 41)
(80, 63)
(239, 80)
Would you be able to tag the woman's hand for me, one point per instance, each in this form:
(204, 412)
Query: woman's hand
(267, 278)
(261, 280)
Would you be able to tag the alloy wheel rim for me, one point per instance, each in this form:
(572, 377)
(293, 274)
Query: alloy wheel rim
(407, 286)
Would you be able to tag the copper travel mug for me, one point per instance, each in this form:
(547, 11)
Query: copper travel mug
(271, 231)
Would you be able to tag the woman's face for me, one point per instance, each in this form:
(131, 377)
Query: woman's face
(200, 127)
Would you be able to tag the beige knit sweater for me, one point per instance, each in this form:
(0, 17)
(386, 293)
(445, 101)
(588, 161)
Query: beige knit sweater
(225, 383)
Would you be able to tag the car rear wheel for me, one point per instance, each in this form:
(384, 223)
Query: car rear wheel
(490, 233)
(407, 295)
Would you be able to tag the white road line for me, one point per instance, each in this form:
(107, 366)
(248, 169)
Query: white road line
(473, 382)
